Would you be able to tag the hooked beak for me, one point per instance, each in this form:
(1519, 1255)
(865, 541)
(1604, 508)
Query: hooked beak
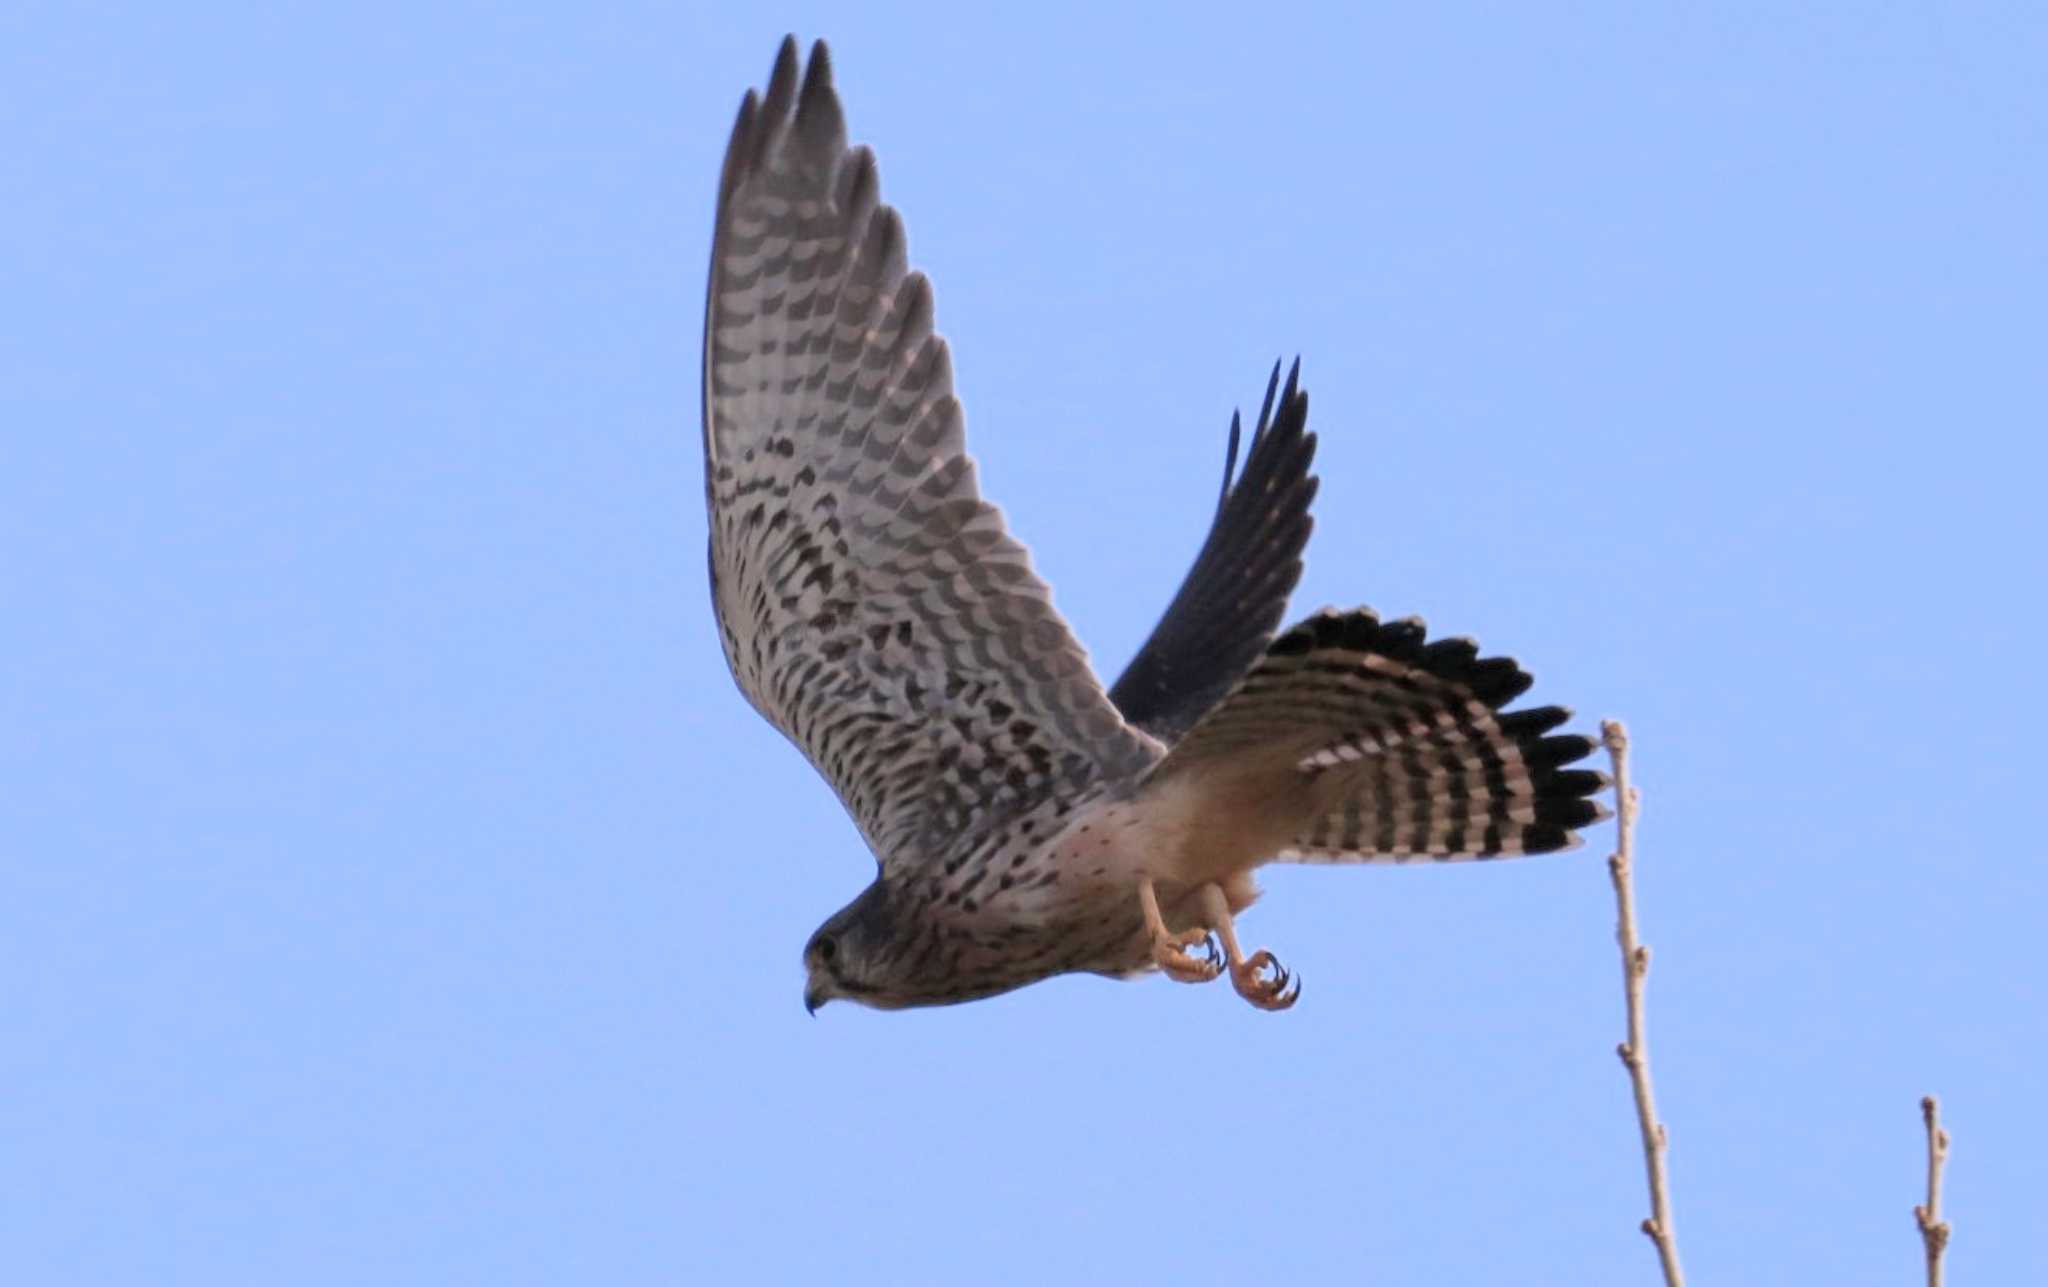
(815, 995)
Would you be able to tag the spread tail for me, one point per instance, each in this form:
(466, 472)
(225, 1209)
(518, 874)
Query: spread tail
(1380, 746)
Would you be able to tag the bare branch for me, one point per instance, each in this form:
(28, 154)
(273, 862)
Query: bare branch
(1933, 1229)
(1635, 968)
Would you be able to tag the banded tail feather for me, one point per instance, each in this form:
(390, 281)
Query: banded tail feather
(1397, 747)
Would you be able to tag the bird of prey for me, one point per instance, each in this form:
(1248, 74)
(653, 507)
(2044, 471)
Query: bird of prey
(875, 609)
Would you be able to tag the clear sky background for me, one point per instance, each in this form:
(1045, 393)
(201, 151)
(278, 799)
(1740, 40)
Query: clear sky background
(394, 888)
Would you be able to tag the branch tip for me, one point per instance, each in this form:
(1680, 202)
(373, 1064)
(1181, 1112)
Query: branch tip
(1615, 735)
(1635, 967)
(1934, 1230)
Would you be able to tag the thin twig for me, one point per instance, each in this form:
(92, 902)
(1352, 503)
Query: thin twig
(1635, 968)
(1933, 1229)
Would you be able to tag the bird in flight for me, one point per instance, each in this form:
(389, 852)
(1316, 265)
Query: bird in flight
(875, 609)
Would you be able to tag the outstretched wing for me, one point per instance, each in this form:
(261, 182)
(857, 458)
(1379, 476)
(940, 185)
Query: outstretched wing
(871, 604)
(1227, 609)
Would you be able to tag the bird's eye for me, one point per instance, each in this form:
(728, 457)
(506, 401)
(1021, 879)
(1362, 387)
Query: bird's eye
(827, 949)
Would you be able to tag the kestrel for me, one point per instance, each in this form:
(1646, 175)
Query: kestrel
(875, 609)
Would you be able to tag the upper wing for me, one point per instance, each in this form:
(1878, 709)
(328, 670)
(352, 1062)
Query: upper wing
(871, 603)
(1227, 609)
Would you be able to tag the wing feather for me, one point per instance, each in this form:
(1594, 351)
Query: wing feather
(871, 604)
(1231, 601)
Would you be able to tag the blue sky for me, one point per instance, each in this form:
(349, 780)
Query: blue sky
(397, 889)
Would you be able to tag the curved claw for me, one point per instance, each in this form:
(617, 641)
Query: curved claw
(1182, 967)
(1289, 995)
(1277, 992)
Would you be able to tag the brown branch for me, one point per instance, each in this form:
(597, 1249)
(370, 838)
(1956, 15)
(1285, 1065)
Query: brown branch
(1933, 1229)
(1635, 968)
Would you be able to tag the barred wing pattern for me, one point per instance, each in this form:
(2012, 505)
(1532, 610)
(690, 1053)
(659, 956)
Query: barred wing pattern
(871, 604)
(1407, 740)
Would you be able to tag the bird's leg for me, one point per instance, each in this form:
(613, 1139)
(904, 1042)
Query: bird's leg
(1167, 945)
(1258, 978)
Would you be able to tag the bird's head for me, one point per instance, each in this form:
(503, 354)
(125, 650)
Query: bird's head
(883, 953)
(855, 954)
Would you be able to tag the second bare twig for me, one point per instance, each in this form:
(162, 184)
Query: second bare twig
(1635, 968)
(1933, 1229)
